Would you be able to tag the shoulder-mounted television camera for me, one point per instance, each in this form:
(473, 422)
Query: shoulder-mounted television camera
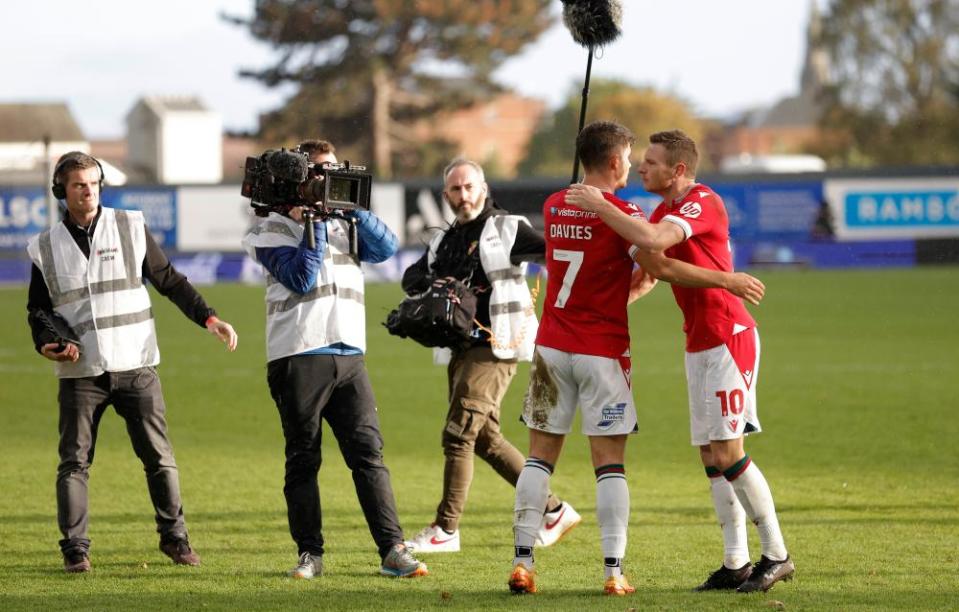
(280, 179)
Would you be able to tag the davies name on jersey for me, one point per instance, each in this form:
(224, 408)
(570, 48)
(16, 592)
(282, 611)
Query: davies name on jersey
(577, 232)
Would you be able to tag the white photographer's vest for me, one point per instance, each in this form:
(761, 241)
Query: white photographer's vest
(511, 309)
(333, 311)
(102, 297)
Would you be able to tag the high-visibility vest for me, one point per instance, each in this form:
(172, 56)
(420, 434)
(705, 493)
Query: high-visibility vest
(332, 312)
(511, 310)
(102, 296)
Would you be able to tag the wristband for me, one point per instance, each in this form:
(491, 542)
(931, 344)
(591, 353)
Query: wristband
(211, 320)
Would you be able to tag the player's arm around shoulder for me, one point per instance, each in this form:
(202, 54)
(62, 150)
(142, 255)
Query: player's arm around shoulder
(684, 274)
(635, 228)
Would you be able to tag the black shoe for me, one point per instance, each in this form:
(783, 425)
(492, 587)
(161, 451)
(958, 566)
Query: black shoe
(725, 579)
(766, 573)
(76, 562)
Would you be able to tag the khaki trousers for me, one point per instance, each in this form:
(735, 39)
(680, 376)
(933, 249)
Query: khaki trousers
(477, 383)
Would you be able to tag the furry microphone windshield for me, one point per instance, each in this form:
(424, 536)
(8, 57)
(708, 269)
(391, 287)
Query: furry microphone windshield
(593, 23)
(290, 166)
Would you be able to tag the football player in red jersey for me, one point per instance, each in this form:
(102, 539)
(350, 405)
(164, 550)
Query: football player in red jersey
(722, 351)
(582, 351)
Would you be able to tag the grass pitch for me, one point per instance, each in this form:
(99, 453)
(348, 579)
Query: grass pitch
(860, 372)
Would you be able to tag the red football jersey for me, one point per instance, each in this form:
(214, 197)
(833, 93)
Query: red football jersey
(588, 274)
(711, 315)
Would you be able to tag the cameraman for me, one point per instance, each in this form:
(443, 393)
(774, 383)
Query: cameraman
(316, 337)
(485, 248)
(89, 269)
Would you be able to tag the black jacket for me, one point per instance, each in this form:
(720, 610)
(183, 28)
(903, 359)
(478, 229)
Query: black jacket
(156, 268)
(458, 256)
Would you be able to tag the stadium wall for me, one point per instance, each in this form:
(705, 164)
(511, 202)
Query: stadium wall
(816, 220)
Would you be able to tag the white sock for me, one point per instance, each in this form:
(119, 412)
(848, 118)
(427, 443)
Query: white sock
(612, 509)
(532, 493)
(732, 520)
(613, 567)
(757, 500)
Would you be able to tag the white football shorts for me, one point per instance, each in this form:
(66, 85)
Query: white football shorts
(599, 386)
(722, 389)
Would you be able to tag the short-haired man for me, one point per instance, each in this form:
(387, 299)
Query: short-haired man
(486, 248)
(582, 352)
(319, 151)
(89, 270)
(316, 339)
(722, 353)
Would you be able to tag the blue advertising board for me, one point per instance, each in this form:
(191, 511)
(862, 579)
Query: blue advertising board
(23, 212)
(158, 204)
(894, 208)
(758, 211)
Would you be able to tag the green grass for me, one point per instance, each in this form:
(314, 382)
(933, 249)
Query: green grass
(859, 377)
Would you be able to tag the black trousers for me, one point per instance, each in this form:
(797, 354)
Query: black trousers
(137, 397)
(306, 389)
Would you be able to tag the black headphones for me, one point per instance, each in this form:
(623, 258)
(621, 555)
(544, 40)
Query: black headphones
(58, 189)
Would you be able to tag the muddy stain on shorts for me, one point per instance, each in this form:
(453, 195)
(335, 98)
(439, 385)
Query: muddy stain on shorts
(541, 394)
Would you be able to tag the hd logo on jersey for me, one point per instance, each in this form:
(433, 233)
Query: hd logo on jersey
(611, 414)
(691, 210)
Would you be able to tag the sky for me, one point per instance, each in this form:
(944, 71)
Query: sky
(101, 56)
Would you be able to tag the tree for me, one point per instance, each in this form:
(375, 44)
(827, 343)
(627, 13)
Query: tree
(641, 109)
(368, 69)
(894, 92)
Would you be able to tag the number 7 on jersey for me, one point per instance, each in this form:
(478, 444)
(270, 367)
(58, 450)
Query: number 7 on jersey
(575, 259)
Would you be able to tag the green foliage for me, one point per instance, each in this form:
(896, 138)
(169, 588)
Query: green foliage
(894, 97)
(857, 395)
(641, 109)
(367, 70)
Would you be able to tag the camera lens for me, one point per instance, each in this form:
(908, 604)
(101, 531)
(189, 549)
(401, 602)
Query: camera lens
(312, 190)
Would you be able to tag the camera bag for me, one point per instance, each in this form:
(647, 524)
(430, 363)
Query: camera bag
(440, 316)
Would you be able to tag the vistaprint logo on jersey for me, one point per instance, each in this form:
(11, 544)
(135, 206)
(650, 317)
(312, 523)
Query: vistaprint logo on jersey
(571, 212)
(611, 414)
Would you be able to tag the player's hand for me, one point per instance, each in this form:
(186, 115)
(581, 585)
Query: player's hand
(640, 283)
(224, 331)
(747, 287)
(69, 353)
(587, 197)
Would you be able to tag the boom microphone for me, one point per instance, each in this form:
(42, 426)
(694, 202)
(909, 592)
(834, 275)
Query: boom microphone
(593, 23)
(288, 165)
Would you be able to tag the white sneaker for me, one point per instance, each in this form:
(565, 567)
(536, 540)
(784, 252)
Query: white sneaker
(557, 524)
(308, 567)
(434, 540)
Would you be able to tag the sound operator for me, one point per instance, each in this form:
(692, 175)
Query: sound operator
(88, 271)
(485, 247)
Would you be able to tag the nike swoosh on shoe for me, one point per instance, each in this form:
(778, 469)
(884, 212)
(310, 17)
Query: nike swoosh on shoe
(558, 519)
